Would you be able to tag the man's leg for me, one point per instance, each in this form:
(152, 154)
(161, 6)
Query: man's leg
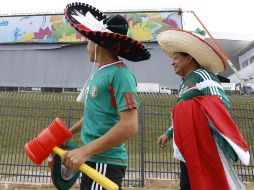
(113, 172)
(184, 178)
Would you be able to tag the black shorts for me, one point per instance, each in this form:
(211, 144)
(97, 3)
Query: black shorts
(114, 172)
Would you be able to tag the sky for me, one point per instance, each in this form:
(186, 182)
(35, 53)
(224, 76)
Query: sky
(231, 19)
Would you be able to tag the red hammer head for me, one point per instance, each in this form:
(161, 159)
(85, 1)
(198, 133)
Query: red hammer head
(39, 148)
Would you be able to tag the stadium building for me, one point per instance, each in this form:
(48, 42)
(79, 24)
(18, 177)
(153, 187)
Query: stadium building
(246, 62)
(43, 52)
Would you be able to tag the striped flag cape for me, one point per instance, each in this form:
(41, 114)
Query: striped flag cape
(194, 139)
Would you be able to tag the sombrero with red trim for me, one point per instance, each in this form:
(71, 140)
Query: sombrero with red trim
(177, 40)
(108, 32)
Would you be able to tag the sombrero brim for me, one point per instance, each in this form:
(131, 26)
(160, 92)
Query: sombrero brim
(176, 40)
(123, 45)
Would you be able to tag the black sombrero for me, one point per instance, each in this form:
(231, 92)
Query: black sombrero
(108, 32)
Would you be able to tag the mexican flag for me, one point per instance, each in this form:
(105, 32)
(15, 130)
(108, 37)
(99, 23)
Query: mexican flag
(208, 167)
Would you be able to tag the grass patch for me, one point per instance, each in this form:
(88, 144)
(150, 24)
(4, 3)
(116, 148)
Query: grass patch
(24, 115)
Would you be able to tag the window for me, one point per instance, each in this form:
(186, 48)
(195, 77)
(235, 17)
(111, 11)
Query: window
(51, 89)
(252, 59)
(8, 88)
(245, 63)
(70, 90)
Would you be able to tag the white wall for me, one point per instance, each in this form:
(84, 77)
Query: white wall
(246, 56)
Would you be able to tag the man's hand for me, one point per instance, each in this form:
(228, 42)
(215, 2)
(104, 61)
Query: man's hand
(75, 158)
(162, 141)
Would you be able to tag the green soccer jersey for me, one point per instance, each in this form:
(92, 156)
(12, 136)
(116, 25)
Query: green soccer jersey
(199, 83)
(112, 89)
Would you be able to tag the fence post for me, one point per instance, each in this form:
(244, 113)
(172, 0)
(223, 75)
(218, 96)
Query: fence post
(69, 116)
(142, 153)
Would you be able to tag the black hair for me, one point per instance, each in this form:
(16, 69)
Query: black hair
(184, 54)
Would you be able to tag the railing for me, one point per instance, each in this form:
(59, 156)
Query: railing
(24, 115)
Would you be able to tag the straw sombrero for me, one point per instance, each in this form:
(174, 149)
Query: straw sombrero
(108, 32)
(176, 40)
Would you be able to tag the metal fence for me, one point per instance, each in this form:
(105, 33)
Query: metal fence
(24, 115)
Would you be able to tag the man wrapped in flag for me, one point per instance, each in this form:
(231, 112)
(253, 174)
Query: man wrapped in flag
(205, 138)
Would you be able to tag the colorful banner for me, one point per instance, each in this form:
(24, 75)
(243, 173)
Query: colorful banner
(143, 26)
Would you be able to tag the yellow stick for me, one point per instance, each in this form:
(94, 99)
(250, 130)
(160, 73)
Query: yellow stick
(92, 173)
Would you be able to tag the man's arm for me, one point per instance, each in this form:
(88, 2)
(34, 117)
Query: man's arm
(125, 129)
(77, 126)
(163, 139)
(170, 132)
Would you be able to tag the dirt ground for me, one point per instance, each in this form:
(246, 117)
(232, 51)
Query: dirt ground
(5, 186)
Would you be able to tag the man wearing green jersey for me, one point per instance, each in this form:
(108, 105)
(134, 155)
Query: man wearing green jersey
(196, 62)
(110, 101)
